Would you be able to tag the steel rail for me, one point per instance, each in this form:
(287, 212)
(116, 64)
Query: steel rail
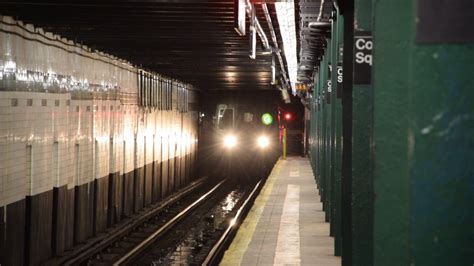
(92, 248)
(217, 250)
(148, 241)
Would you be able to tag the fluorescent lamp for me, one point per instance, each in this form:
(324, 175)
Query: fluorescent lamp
(286, 19)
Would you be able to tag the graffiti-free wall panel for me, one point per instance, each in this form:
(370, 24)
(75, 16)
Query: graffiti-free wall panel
(84, 142)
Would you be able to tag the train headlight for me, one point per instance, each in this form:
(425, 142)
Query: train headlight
(263, 141)
(230, 141)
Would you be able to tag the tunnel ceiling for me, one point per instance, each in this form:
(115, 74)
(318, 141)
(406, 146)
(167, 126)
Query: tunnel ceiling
(189, 40)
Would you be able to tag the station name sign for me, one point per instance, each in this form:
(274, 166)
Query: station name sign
(338, 80)
(363, 45)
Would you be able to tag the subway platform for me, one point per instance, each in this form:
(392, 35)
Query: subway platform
(286, 224)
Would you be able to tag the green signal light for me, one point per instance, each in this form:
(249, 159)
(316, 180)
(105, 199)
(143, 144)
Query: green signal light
(267, 119)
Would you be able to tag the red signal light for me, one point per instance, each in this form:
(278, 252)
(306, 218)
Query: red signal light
(287, 116)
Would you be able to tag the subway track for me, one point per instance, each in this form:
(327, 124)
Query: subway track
(194, 227)
(204, 235)
(81, 254)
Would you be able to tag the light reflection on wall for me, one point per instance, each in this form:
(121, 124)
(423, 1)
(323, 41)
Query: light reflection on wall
(21, 79)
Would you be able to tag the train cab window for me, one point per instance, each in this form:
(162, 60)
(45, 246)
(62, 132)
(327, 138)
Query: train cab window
(248, 117)
(227, 120)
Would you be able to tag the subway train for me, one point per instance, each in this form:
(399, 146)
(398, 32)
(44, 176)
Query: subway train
(242, 141)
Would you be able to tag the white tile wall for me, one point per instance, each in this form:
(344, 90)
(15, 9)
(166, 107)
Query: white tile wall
(70, 147)
(54, 131)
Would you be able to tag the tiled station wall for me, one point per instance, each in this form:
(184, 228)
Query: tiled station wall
(77, 153)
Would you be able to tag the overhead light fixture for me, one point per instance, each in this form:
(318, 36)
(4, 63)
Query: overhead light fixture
(286, 19)
(273, 82)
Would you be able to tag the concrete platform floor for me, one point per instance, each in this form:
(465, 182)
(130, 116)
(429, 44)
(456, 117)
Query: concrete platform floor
(286, 224)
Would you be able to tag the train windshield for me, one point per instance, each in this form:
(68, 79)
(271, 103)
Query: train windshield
(231, 117)
(227, 119)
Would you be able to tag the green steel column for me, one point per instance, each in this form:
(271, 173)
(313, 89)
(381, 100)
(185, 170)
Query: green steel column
(316, 132)
(339, 145)
(347, 10)
(337, 134)
(392, 56)
(362, 154)
(424, 137)
(318, 135)
(329, 130)
(314, 122)
(325, 134)
(322, 137)
(332, 52)
(310, 133)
